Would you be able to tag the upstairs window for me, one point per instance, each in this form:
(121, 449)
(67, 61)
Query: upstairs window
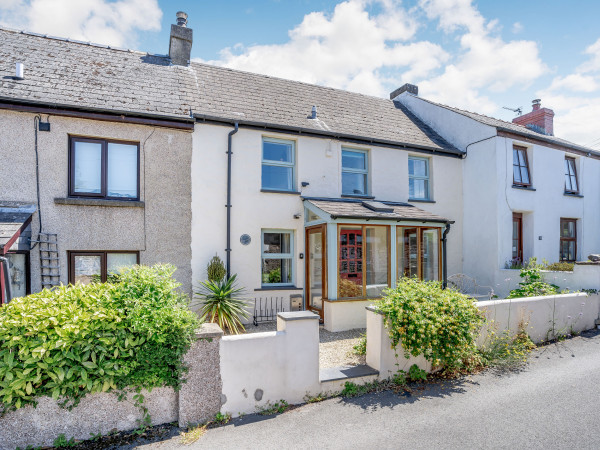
(571, 184)
(520, 167)
(104, 169)
(278, 160)
(355, 172)
(568, 240)
(418, 178)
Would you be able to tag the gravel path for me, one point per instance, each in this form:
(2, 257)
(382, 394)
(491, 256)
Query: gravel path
(335, 349)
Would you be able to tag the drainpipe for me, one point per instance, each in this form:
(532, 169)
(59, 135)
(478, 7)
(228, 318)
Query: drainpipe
(445, 257)
(5, 281)
(228, 206)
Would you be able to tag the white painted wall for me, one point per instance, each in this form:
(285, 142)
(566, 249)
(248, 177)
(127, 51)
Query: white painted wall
(266, 367)
(319, 163)
(489, 199)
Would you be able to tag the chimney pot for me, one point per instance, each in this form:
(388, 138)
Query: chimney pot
(19, 71)
(181, 18)
(180, 44)
(536, 104)
(410, 88)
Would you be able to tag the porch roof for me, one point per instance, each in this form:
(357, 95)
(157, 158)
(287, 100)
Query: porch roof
(369, 210)
(14, 217)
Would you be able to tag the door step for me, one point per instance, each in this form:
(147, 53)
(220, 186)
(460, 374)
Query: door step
(333, 379)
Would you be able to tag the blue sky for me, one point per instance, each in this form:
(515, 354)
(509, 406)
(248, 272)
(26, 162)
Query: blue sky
(479, 56)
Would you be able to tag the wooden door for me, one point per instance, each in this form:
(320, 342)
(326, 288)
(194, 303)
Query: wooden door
(316, 268)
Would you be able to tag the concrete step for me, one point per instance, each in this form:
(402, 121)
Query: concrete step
(333, 379)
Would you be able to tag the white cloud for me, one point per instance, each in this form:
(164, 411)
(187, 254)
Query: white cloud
(485, 62)
(347, 49)
(107, 22)
(517, 27)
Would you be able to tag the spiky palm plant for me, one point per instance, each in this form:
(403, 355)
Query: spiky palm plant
(223, 303)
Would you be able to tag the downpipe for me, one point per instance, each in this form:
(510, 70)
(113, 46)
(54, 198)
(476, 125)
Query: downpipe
(228, 205)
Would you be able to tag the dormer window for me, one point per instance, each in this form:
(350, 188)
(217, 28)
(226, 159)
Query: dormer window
(571, 182)
(521, 175)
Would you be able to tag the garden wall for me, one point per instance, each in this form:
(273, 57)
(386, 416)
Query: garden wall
(548, 317)
(266, 367)
(198, 400)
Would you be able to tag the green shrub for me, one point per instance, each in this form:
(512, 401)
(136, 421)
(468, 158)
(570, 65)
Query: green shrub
(74, 340)
(215, 270)
(561, 266)
(533, 283)
(440, 324)
(223, 303)
(361, 347)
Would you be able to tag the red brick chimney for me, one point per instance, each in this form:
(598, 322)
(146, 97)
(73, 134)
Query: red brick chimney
(540, 120)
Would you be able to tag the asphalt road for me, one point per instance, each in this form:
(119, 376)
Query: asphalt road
(553, 404)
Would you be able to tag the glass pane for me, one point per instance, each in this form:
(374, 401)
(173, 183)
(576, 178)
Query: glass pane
(122, 171)
(276, 151)
(311, 216)
(574, 186)
(354, 183)
(115, 261)
(517, 174)
(525, 175)
(407, 252)
(430, 254)
(88, 269)
(315, 269)
(417, 167)
(276, 243)
(568, 228)
(418, 189)
(88, 168)
(350, 277)
(17, 274)
(515, 157)
(277, 177)
(522, 161)
(567, 167)
(568, 186)
(277, 271)
(354, 160)
(376, 260)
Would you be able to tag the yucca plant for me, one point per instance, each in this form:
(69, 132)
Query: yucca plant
(223, 303)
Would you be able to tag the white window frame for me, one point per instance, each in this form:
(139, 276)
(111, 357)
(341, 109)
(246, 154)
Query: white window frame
(364, 171)
(418, 177)
(289, 256)
(269, 162)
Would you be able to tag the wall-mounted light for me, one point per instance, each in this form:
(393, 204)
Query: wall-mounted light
(297, 215)
(305, 183)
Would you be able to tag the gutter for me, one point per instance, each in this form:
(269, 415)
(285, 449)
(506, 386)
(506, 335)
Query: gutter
(228, 205)
(266, 126)
(182, 123)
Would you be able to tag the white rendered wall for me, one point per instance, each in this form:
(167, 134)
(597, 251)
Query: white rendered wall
(318, 163)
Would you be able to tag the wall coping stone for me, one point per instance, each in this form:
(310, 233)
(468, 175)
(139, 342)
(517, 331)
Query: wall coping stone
(373, 310)
(297, 315)
(209, 330)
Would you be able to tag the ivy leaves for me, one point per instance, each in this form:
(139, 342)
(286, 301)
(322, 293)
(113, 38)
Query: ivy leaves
(74, 340)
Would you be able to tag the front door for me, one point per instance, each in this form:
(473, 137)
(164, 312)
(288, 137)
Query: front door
(316, 269)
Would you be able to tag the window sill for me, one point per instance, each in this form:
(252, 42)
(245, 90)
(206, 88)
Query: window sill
(366, 197)
(99, 202)
(419, 200)
(572, 194)
(279, 288)
(275, 191)
(525, 188)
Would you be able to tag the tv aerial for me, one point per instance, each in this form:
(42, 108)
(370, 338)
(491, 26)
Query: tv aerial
(517, 111)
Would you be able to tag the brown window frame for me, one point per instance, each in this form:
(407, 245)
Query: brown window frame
(71, 254)
(523, 150)
(419, 250)
(568, 239)
(518, 217)
(568, 160)
(103, 168)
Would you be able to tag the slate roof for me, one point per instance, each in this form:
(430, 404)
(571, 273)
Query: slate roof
(74, 74)
(515, 128)
(12, 217)
(66, 73)
(356, 209)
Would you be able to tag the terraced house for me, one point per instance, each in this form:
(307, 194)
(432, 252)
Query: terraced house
(316, 197)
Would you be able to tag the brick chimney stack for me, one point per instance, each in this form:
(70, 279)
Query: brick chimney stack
(540, 120)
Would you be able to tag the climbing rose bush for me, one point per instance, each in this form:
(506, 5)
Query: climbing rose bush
(440, 324)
